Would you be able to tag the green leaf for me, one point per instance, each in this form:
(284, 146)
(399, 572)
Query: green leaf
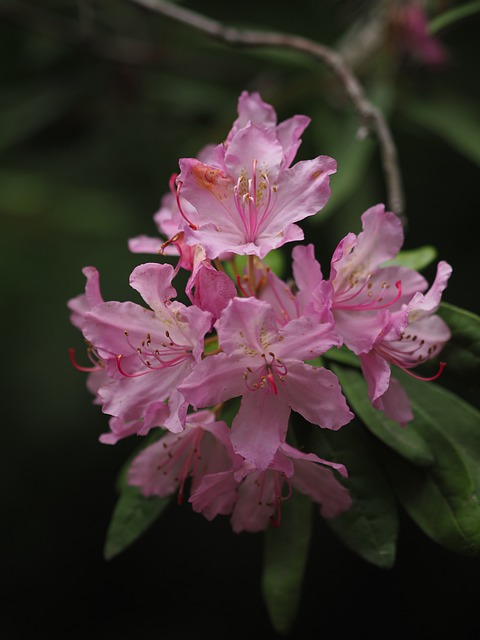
(443, 499)
(343, 355)
(406, 441)
(370, 527)
(132, 516)
(453, 119)
(462, 352)
(450, 17)
(416, 259)
(285, 556)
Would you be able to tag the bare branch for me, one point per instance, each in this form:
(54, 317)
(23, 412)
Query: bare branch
(370, 116)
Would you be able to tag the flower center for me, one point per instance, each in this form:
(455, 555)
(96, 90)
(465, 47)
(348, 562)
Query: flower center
(267, 375)
(367, 297)
(254, 201)
(162, 356)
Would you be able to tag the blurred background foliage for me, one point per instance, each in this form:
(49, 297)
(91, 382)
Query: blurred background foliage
(98, 101)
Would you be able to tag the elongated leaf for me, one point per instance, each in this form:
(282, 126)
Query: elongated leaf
(408, 442)
(285, 557)
(453, 119)
(462, 352)
(132, 516)
(370, 527)
(342, 355)
(443, 499)
(416, 259)
(452, 16)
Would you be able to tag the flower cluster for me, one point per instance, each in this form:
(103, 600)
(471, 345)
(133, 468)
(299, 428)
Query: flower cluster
(246, 343)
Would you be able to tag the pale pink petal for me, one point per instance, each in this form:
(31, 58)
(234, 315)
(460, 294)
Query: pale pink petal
(254, 149)
(306, 269)
(427, 304)
(145, 244)
(377, 374)
(153, 281)
(247, 327)
(395, 403)
(302, 191)
(92, 297)
(254, 509)
(281, 298)
(360, 330)
(288, 134)
(215, 495)
(305, 338)
(251, 108)
(260, 426)
(379, 241)
(214, 379)
(315, 393)
(321, 485)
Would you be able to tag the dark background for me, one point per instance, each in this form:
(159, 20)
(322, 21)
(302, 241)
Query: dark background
(90, 132)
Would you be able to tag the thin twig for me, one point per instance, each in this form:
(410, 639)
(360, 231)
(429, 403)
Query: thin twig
(371, 118)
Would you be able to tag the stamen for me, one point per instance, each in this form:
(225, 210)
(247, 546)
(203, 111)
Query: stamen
(96, 366)
(441, 367)
(370, 305)
(180, 209)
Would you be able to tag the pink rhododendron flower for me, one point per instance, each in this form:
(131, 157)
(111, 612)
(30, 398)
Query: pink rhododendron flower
(148, 351)
(254, 497)
(415, 336)
(265, 366)
(164, 467)
(409, 23)
(248, 199)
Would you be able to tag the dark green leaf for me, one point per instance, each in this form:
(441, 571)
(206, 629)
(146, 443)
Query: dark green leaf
(285, 557)
(455, 120)
(404, 440)
(443, 499)
(462, 352)
(370, 527)
(132, 516)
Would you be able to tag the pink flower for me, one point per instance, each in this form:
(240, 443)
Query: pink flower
(361, 292)
(410, 30)
(247, 199)
(265, 366)
(414, 336)
(254, 497)
(164, 467)
(148, 352)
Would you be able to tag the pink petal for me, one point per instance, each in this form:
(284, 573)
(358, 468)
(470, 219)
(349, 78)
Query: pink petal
(316, 394)
(260, 427)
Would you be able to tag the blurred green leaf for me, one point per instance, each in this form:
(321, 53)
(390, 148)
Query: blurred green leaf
(453, 118)
(285, 556)
(408, 442)
(343, 355)
(28, 110)
(132, 516)
(370, 527)
(416, 259)
(462, 351)
(450, 17)
(443, 499)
